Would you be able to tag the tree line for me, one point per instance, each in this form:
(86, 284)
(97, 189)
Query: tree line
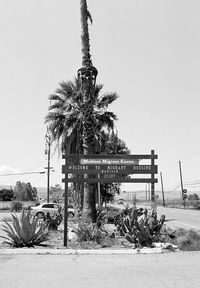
(22, 192)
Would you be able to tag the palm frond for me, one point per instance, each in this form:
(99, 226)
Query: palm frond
(107, 99)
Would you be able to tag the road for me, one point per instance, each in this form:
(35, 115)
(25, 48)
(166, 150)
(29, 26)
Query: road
(109, 271)
(187, 219)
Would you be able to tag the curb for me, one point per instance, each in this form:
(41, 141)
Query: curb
(30, 251)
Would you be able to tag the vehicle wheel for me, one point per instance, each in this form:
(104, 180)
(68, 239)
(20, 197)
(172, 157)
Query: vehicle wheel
(40, 215)
(70, 214)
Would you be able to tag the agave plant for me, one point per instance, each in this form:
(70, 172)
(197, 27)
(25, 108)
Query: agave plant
(26, 231)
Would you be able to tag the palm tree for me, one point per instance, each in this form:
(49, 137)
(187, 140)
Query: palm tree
(65, 120)
(87, 76)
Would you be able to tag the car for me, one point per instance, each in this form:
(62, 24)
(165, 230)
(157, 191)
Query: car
(42, 209)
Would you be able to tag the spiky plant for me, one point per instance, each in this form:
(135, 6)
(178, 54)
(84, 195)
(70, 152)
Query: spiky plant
(25, 231)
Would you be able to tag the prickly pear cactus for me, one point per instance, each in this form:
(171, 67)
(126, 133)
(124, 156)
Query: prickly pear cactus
(141, 230)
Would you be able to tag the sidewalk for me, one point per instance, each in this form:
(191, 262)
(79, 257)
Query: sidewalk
(165, 270)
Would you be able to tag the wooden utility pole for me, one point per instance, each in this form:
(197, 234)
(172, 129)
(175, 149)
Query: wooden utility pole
(48, 152)
(146, 193)
(163, 195)
(149, 192)
(181, 178)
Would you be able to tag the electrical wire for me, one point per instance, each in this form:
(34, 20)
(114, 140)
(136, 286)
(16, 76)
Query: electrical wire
(22, 173)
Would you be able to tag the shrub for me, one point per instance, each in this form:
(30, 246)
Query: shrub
(86, 231)
(6, 194)
(54, 221)
(16, 206)
(186, 240)
(26, 231)
(193, 197)
(196, 205)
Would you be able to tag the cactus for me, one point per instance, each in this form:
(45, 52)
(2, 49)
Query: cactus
(140, 228)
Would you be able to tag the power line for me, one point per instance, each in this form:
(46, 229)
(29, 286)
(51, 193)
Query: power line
(22, 173)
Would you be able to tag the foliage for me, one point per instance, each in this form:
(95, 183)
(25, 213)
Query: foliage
(26, 231)
(25, 192)
(112, 145)
(56, 193)
(109, 212)
(54, 221)
(66, 112)
(193, 197)
(186, 240)
(196, 205)
(16, 206)
(6, 194)
(95, 232)
(140, 227)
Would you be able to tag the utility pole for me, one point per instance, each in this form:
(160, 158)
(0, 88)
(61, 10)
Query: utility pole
(149, 190)
(48, 152)
(182, 190)
(146, 193)
(163, 196)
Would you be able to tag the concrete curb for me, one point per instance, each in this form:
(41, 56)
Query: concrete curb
(32, 251)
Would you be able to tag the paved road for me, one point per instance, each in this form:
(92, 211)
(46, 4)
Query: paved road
(187, 219)
(46, 271)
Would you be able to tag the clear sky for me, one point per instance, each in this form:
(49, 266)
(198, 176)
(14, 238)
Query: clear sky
(146, 51)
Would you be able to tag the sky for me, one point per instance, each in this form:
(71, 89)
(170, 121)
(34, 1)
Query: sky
(145, 50)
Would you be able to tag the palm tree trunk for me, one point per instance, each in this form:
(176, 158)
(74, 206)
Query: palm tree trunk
(87, 75)
(85, 40)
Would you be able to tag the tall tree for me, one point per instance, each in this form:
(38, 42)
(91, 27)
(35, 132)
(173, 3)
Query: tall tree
(87, 75)
(25, 192)
(65, 119)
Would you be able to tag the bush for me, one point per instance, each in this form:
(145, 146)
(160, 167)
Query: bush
(54, 221)
(6, 194)
(27, 230)
(93, 232)
(16, 206)
(193, 197)
(186, 240)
